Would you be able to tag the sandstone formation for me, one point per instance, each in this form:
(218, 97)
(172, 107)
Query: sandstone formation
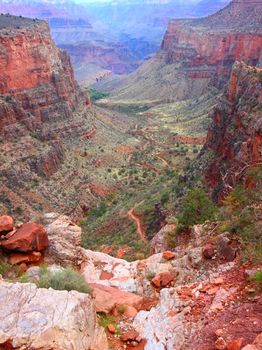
(27, 238)
(47, 319)
(43, 87)
(235, 134)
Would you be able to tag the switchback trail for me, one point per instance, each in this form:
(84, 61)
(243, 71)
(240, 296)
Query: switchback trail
(140, 230)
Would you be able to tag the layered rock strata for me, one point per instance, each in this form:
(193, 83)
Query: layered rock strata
(234, 140)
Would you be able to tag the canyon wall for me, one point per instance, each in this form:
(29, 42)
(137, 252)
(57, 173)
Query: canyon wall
(234, 140)
(209, 47)
(196, 56)
(37, 82)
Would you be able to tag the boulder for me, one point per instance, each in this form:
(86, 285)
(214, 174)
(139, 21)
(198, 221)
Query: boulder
(159, 243)
(224, 248)
(168, 255)
(18, 258)
(64, 240)
(6, 224)
(29, 237)
(163, 279)
(44, 319)
(107, 298)
(235, 344)
(111, 328)
(129, 335)
(208, 251)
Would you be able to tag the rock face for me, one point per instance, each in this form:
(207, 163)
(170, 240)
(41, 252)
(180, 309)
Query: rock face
(235, 135)
(47, 319)
(64, 240)
(46, 126)
(208, 47)
(43, 87)
(196, 55)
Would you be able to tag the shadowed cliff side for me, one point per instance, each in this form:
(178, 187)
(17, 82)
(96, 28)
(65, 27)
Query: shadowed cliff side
(234, 140)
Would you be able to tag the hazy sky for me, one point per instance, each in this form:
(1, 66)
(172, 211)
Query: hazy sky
(161, 1)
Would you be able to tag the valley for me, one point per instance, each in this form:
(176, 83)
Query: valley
(131, 175)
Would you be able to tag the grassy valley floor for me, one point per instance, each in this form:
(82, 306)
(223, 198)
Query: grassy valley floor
(162, 142)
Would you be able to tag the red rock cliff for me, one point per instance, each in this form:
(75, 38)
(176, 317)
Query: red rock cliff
(209, 46)
(37, 81)
(234, 141)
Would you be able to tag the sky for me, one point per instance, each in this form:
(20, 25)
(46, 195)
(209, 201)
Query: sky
(161, 1)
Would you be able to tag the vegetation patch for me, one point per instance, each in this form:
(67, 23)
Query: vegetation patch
(66, 279)
(96, 95)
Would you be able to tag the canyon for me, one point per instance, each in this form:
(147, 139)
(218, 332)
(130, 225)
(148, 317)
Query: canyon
(130, 216)
(186, 67)
(96, 46)
(46, 124)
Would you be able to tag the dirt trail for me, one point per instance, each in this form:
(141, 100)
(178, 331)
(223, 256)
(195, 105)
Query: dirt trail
(140, 230)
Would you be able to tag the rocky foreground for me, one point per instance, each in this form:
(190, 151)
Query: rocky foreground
(198, 296)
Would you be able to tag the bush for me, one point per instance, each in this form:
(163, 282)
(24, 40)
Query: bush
(98, 212)
(66, 279)
(197, 208)
(165, 197)
(96, 95)
(257, 278)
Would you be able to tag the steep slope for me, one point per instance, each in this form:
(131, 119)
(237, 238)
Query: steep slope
(43, 86)
(51, 137)
(196, 54)
(234, 139)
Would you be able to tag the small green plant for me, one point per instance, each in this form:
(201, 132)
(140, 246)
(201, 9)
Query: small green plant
(197, 208)
(150, 275)
(165, 197)
(121, 308)
(257, 278)
(105, 320)
(4, 268)
(66, 279)
(171, 238)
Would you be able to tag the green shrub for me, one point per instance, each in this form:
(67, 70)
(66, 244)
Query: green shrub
(4, 268)
(150, 275)
(165, 197)
(258, 278)
(66, 279)
(96, 95)
(171, 239)
(105, 320)
(99, 211)
(197, 208)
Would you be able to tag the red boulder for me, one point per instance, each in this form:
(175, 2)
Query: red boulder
(168, 255)
(235, 344)
(6, 224)
(29, 237)
(18, 258)
(129, 335)
(163, 279)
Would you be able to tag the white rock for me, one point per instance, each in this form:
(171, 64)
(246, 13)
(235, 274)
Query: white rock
(47, 319)
(64, 240)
